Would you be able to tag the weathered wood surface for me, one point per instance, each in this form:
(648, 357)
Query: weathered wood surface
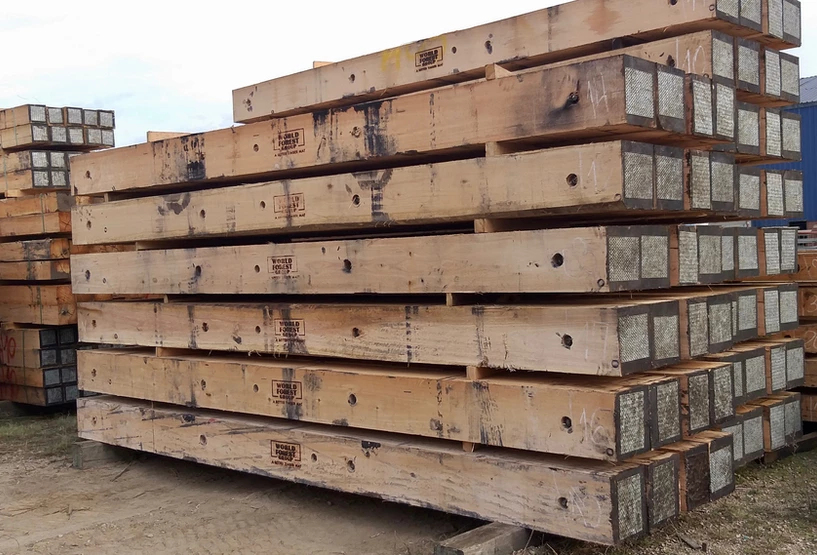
(594, 418)
(38, 396)
(614, 339)
(545, 36)
(36, 270)
(35, 249)
(38, 347)
(46, 203)
(810, 376)
(52, 223)
(38, 304)
(596, 259)
(24, 182)
(808, 406)
(546, 107)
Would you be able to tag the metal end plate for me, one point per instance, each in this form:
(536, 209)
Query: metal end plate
(664, 493)
(638, 176)
(748, 127)
(58, 160)
(76, 135)
(749, 194)
(74, 116)
(791, 19)
(747, 252)
(710, 256)
(39, 133)
(107, 138)
(106, 119)
(624, 258)
(788, 307)
(791, 134)
(725, 102)
(747, 312)
(795, 364)
(720, 323)
(737, 379)
(699, 402)
(36, 113)
(776, 18)
(59, 178)
(793, 195)
(771, 239)
(723, 58)
(730, 7)
(793, 419)
(749, 65)
(51, 377)
(639, 93)
(671, 94)
(773, 73)
(630, 493)
(750, 11)
(788, 250)
(701, 181)
(59, 134)
(702, 107)
(772, 310)
(94, 136)
(724, 394)
(688, 257)
(39, 160)
(737, 437)
(774, 140)
(90, 117)
(753, 435)
(734, 304)
(55, 116)
(728, 253)
(721, 469)
(755, 374)
(666, 335)
(698, 328)
(777, 425)
(71, 392)
(790, 77)
(723, 182)
(670, 177)
(634, 337)
(654, 257)
(669, 419)
(53, 395)
(632, 411)
(774, 193)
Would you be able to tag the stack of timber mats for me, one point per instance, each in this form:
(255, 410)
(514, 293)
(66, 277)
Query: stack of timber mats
(38, 332)
(471, 273)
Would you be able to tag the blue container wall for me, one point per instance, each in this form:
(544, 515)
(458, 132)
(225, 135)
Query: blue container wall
(808, 165)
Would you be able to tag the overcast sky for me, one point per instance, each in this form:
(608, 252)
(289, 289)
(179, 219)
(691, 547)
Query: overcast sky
(172, 66)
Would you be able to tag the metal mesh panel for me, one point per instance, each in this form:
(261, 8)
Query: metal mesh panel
(40, 132)
(55, 116)
(58, 160)
(53, 395)
(795, 364)
(638, 175)
(688, 256)
(670, 177)
(749, 65)
(776, 18)
(633, 332)
(721, 469)
(724, 395)
(37, 114)
(720, 323)
(772, 309)
(701, 182)
(791, 135)
(95, 136)
(39, 159)
(779, 368)
(670, 94)
(107, 137)
(40, 178)
(74, 116)
(773, 130)
(737, 438)
(710, 257)
(788, 249)
(666, 334)
(749, 192)
(630, 492)
(669, 419)
(59, 134)
(723, 59)
(774, 193)
(777, 423)
(755, 374)
(702, 106)
(795, 407)
(753, 435)
(76, 136)
(639, 93)
(794, 195)
(747, 252)
(698, 328)
(90, 117)
(790, 77)
(788, 307)
(737, 378)
(734, 319)
(71, 392)
(106, 119)
(624, 258)
(59, 179)
(748, 128)
(728, 253)
(725, 104)
(729, 7)
(747, 312)
(631, 418)
(654, 257)
(793, 419)
(750, 9)
(723, 182)
(772, 242)
(699, 401)
(773, 75)
(664, 492)
(51, 377)
(791, 19)
(69, 374)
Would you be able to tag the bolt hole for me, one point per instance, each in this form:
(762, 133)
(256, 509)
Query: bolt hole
(347, 265)
(255, 148)
(205, 326)
(198, 271)
(356, 200)
(263, 204)
(257, 329)
(614, 364)
(87, 175)
(557, 260)
(610, 452)
(673, 2)
(567, 423)
(255, 388)
(567, 341)
(202, 439)
(93, 323)
(88, 225)
(355, 332)
(453, 49)
(202, 213)
(116, 336)
(352, 399)
(563, 502)
(489, 47)
(257, 268)
(87, 274)
(572, 180)
(104, 280)
(203, 385)
(600, 283)
(352, 78)
(350, 465)
(670, 61)
(314, 457)
(93, 373)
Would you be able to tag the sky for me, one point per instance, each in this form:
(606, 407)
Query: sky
(172, 66)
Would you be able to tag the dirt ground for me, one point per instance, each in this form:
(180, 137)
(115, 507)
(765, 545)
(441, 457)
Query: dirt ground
(161, 506)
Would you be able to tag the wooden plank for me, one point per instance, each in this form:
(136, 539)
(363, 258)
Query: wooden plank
(586, 179)
(396, 469)
(575, 260)
(807, 332)
(663, 487)
(556, 337)
(35, 249)
(89, 454)
(810, 379)
(542, 108)
(487, 539)
(694, 478)
(807, 297)
(36, 270)
(45, 203)
(594, 418)
(42, 304)
(153, 136)
(36, 224)
(38, 377)
(794, 374)
(540, 37)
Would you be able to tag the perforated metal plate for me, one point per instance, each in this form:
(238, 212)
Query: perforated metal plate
(55, 116)
(76, 136)
(709, 255)
(791, 134)
(630, 494)
(791, 19)
(59, 178)
(39, 133)
(74, 116)
(771, 239)
(670, 177)
(664, 493)
(633, 332)
(724, 393)
(737, 378)
(40, 178)
(94, 136)
(774, 141)
(53, 395)
(720, 323)
(669, 418)
(723, 58)
(725, 99)
(639, 99)
(793, 420)
(788, 249)
(702, 107)
(36, 113)
(58, 160)
(699, 402)
(51, 377)
(638, 175)
(778, 368)
(71, 392)
(737, 437)
(788, 307)
(632, 410)
(790, 77)
(748, 128)
(90, 117)
(624, 258)
(107, 138)
(59, 134)
(772, 309)
(749, 65)
(794, 195)
(747, 312)
(666, 334)
(795, 364)
(701, 182)
(734, 304)
(755, 374)
(723, 181)
(39, 160)
(670, 93)
(106, 119)
(776, 18)
(774, 193)
(753, 435)
(773, 73)
(750, 9)
(747, 252)
(728, 253)
(749, 191)
(654, 257)
(698, 328)
(729, 7)
(777, 425)
(721, 469)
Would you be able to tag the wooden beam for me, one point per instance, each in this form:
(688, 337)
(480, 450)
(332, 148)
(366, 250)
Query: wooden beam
(38, 347)
(693, 473)
(46, 203)
(35, 249)
(793, 423)
(58, 136)
(541, 37)
(592, 501)
(154, 136)
(487, 539)
(38, 396)
(809, 406)
(36, 270)
(89, 454)
(810, 379)
(697, 395)
(43, 304)
(53, 223)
